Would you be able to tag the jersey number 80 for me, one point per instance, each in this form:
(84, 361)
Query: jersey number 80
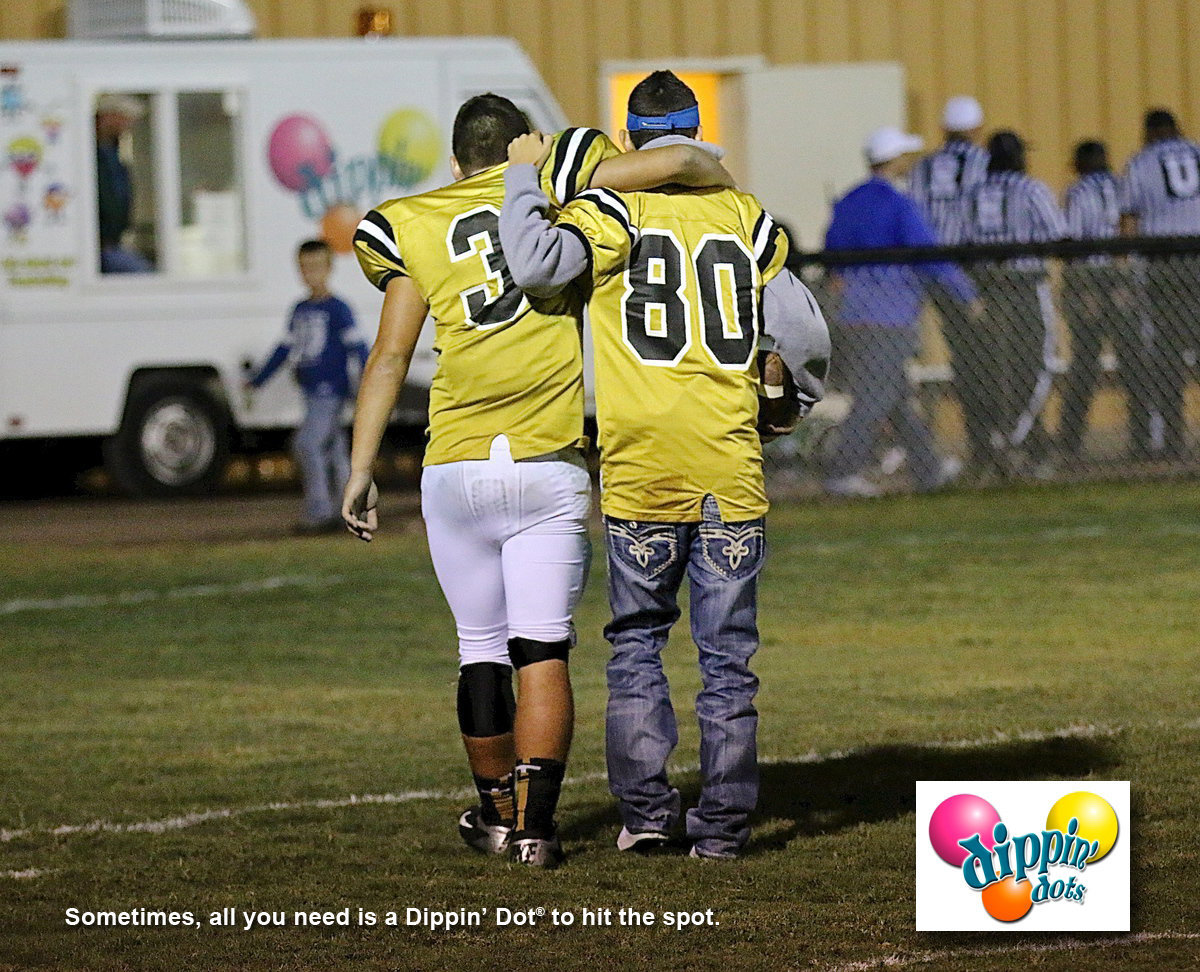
(656, 314)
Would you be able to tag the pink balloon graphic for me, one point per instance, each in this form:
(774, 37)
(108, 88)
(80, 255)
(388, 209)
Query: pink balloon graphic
(957, 818)
(300, 152)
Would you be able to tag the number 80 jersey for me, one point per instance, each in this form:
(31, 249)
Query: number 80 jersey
(507, 363)
(675, 318)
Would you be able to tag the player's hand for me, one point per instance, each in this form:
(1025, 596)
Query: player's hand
(360, 506)
(777, 415)
(532, 149)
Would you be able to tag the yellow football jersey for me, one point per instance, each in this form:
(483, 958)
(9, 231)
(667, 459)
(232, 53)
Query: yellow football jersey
(677, 278)
(507, 363)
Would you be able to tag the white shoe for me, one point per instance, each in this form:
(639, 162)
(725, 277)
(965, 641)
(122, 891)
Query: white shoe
(855, 485)
(891, 461)
(543, 852)
(642, 841)
(483, 837)
(694, 852)
(950, 469)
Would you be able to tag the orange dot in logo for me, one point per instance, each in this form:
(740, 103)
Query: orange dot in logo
(1007, 900)
(338, 226)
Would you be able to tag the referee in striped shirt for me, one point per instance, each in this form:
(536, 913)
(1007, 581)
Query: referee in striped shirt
(937, 184)
(1016, 343)
(1161, 197)
(1098, 302)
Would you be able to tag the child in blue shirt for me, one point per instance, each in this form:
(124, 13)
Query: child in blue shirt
(320, 340)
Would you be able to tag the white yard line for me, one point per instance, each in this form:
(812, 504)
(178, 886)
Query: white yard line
(126, 598)
(966, 958)
(28, 874)
(192, 819)
(1084, 531)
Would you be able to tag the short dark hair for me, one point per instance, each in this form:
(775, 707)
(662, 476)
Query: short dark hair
(1160, 123)
(1091, 156)
(658, 95)
(483, 128)
(315, 246)
(1006, 152)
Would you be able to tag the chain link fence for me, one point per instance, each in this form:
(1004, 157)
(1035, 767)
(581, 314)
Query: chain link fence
(987, 364)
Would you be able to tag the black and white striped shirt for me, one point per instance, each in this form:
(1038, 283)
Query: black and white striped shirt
(1092, 205)
(938, 182)
(1011, 207)
(1162, 188)
(1093, 208)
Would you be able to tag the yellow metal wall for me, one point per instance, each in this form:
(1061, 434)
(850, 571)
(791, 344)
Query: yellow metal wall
(1055, 70)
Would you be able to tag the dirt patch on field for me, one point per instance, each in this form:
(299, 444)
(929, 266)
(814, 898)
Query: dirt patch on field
(111, 521)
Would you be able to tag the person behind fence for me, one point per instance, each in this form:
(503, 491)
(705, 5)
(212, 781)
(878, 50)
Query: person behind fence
(1016, 342)
(1161, 197)
(880, 307)
(321, 340)
(1097, 300)
(938, 182)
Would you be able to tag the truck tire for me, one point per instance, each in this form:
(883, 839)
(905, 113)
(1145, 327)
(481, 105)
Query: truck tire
(173, 439)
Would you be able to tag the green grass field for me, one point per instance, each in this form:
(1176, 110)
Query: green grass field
(1051, 633)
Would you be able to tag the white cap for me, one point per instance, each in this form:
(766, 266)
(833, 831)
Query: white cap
(962, 114)
(885, 144)
(120, 104)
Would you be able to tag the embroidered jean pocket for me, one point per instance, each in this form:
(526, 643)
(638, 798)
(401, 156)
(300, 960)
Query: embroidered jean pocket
(645, 548)
(733, 550)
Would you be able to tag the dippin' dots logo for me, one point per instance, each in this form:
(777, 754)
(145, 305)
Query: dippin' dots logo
(966, 831)
(1013, 869)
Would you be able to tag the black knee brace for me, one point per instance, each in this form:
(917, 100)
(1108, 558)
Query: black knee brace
(485, 699)
(526, 651)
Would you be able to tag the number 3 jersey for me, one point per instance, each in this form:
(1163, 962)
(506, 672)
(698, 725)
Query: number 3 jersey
(677, 280)
(507, 363)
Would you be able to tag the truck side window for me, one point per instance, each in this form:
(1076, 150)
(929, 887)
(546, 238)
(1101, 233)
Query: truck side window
(211, 225)
(125, 185)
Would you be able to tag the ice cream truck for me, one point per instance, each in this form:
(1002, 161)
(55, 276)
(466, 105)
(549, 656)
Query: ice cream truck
(238, 151)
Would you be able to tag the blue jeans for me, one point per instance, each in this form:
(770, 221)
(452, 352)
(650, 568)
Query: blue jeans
(323, 450)
(118, 259)
(646, 566)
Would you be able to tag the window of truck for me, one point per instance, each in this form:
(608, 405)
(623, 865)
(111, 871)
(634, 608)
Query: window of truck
(170, 196)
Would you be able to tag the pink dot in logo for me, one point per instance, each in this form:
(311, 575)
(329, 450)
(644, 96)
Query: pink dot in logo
(957, 818)
(300, 152)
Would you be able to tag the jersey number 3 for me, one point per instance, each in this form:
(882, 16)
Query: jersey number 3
(496, 301)
(655, 312)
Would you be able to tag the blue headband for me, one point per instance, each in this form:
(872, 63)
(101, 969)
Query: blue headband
(686, 118)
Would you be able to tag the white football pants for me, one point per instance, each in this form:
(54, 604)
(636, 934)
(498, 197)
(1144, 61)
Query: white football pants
(509, 546)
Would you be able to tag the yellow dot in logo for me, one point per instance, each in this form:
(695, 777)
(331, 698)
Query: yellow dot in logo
(1097, 820)
(409, 140)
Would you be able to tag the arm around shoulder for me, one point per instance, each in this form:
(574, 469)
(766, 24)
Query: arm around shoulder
(541, 257)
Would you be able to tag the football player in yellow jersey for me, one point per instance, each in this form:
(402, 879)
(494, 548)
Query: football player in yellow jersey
(505, 492)
(679, 282)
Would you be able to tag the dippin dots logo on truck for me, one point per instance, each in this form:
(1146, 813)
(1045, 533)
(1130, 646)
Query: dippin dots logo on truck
(336, 190)
(1055, 860)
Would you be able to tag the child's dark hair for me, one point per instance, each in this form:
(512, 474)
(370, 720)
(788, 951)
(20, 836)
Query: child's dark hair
(315, 246)
(483, 128)
(657, 95)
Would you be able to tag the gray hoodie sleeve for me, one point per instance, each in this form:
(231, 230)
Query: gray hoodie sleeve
(541, 257)
(793, 322)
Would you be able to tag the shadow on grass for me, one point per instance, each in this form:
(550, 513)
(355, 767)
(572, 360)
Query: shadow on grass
(876, 784)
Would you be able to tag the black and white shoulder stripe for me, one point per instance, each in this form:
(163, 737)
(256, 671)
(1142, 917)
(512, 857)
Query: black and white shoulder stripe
(569, 157)
(376, 232)
(613, 206)
(764, 240)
